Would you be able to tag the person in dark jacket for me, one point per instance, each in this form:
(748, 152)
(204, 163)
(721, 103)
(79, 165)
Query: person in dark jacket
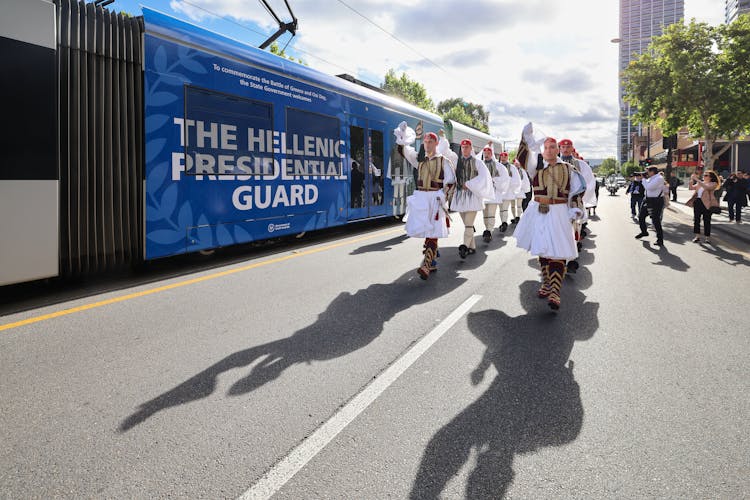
(736, 188)
(636, 192)
(674, 181)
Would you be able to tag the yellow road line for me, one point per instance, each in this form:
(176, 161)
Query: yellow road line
(86, 307)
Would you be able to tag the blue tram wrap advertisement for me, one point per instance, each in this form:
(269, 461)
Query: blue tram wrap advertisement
(234, 153)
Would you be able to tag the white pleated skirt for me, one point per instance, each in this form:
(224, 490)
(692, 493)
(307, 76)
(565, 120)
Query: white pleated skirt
(427, 217)
(466, 201)
(547, 235)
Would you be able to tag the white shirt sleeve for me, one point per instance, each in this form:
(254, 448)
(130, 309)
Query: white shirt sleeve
(410, 154)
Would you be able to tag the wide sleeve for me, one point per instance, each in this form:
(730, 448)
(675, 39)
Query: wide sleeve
(481, 184)
(501, 182)
(410, 155)
(444, 148)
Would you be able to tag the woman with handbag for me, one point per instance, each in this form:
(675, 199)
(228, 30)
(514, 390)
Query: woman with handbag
(704, 203)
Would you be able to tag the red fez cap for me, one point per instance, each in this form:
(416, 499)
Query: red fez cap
(550, 139)
(487, 148)
(431, 134)
(504, 153)
(466, 142)
(565, 142)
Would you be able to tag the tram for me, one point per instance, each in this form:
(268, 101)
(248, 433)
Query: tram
(172, 139)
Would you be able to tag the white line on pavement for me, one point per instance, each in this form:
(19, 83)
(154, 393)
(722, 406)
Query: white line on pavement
(285, 469)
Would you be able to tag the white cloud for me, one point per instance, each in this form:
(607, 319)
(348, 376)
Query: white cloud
(551, 63)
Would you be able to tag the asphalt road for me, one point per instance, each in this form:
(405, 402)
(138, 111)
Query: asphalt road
(200, 381)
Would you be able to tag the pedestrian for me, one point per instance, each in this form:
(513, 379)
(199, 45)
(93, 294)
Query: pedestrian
(473, 185)
(636, 191)
(665, 191)
(674, 182)
(703, 201)
(653, 204)
(428, 206)
(596, 193)
(546, 230)
(736, 197)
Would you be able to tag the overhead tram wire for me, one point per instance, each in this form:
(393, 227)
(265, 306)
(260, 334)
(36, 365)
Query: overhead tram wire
(265, 35)
(406, 45)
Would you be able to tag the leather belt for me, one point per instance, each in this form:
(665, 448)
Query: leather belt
(549, 201)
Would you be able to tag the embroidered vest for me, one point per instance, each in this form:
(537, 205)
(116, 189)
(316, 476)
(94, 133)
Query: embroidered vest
(507, 167)
(574, 162)
(492, 167)
(430, 174)
(553, 181)
(466, 170)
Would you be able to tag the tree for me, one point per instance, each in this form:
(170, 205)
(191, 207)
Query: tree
(407, 89)
(274, 48)
(697, 76)
(629, 168)
(468, 113)
(608, 167)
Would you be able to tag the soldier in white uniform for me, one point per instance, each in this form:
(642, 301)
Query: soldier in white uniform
(473, 185)
(500, 183)
(509, 198)
(546, 230)
(427, 206)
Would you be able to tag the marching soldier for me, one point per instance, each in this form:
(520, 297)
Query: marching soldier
(473, 185)
(509, 198)
(500, 183)
(427, 206)
(546, 230)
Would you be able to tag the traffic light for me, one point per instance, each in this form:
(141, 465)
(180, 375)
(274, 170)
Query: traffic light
(646, 162)
(669, 142)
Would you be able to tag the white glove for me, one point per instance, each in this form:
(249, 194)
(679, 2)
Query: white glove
(575, 213)
(404, 134)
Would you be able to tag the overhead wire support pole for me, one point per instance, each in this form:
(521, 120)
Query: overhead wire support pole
(283, 27)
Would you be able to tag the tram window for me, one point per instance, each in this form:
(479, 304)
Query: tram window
(313, 144)
(227, 135)
(377, 171)
(357, 144)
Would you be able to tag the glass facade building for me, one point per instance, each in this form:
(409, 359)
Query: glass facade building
(734, 8)
(640, 21)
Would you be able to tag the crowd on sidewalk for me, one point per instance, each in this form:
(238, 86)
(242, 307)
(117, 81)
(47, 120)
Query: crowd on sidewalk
(715, 203)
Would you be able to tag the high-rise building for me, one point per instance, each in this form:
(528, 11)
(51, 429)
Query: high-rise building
(640, 21)
(734, 8)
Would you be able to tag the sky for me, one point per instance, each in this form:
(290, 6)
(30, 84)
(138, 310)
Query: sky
(551, 63)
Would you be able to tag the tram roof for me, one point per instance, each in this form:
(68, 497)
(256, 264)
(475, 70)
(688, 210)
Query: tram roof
(166, 26)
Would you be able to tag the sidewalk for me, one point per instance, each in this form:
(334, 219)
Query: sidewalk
(719, 223)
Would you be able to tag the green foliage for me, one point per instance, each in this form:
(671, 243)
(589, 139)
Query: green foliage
(467, 113)
(407, 89)
(608, 167)
(629, 168)
(695, 75)
(275, 50)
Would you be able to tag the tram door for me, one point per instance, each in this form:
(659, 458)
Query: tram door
(367, 168)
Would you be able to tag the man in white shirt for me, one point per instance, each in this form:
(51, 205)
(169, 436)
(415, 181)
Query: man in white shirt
(653, 204)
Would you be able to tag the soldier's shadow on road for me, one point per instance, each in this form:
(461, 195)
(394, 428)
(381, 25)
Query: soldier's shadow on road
(380, 246)
(349, 323)
(533, 402)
